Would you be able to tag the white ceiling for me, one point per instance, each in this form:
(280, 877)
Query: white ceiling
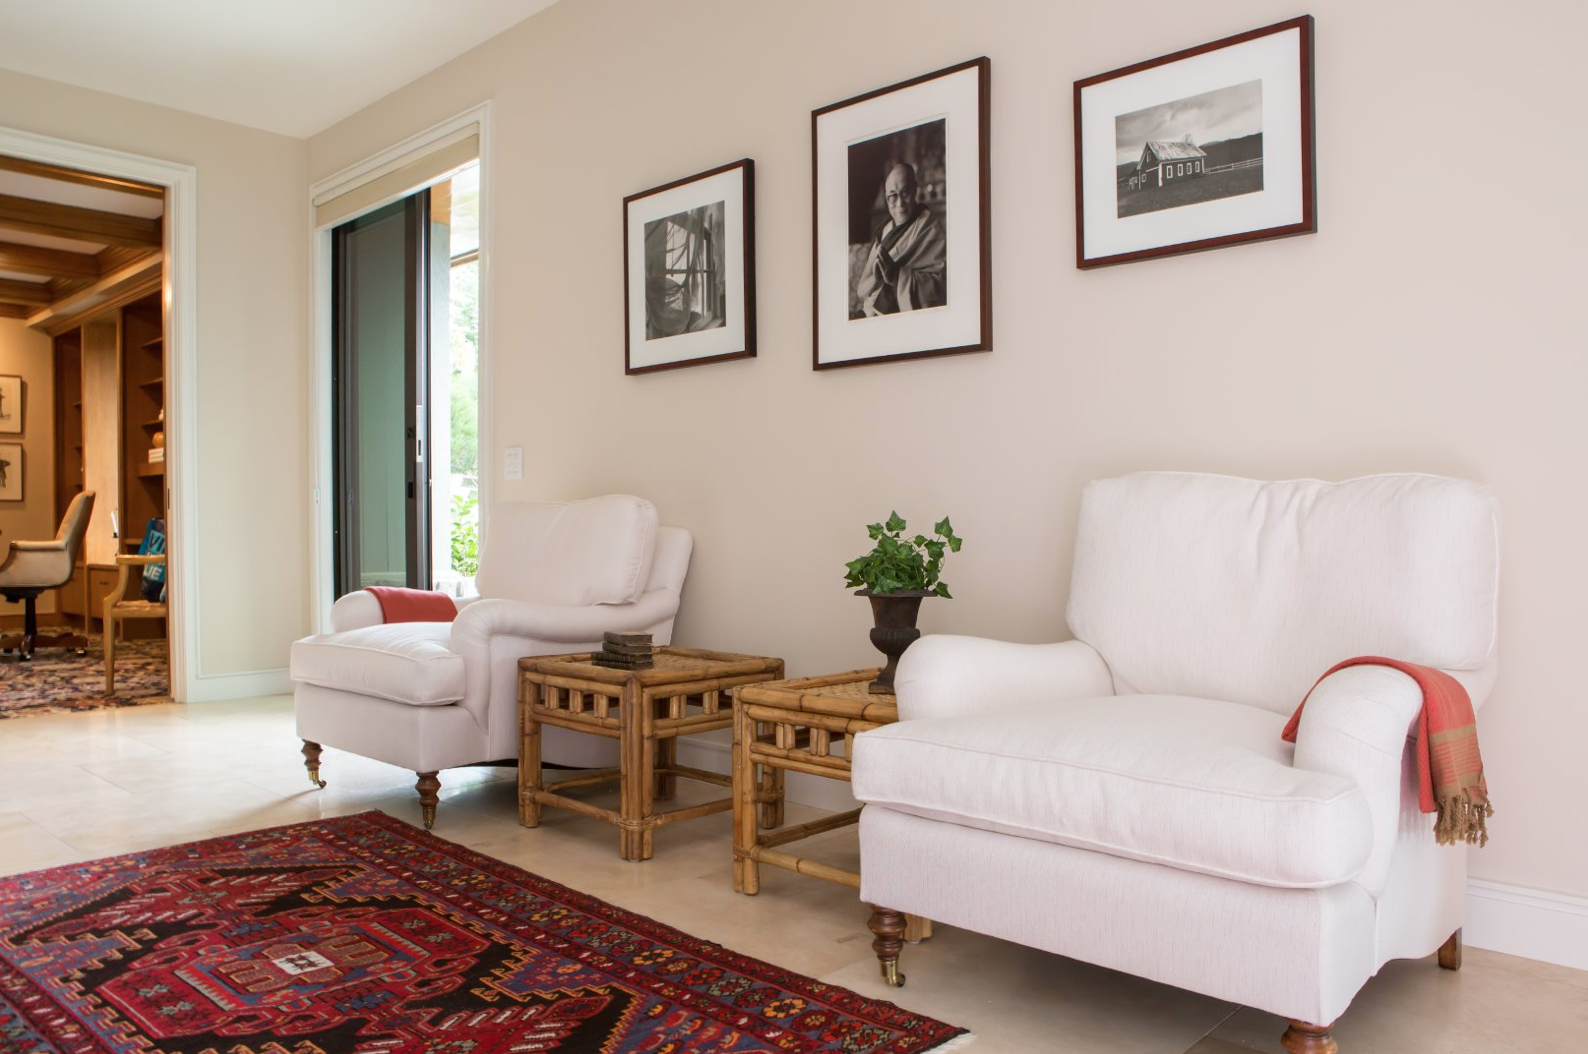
(289, 66)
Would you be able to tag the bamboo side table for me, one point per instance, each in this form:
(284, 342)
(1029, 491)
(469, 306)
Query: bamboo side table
(795, 726)
(688, 691)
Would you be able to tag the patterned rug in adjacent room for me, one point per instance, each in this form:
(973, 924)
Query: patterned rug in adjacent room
(363, 935)
(58, 679)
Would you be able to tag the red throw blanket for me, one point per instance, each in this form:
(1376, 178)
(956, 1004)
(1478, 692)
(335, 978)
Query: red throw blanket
(1449, 770)
(413, 605)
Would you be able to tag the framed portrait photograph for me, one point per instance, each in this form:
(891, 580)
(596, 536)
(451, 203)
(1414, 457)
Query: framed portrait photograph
(1204, 148)
(689, 271)
(901, 221)
(10, 471)
(10, 405)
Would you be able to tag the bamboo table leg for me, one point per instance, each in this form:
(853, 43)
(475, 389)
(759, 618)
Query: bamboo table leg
(769, 787)
(638, 780)
(529, 777)
(666, 758)
(746, 872)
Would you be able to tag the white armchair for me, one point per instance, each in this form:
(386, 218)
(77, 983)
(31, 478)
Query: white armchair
(435, 695)
(1134, 781)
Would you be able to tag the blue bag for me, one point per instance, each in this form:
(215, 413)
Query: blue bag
(153, 586)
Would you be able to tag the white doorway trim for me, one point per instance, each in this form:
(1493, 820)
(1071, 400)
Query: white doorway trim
(321, 396)
(181, 366)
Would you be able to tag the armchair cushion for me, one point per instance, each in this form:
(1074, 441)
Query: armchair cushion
(405, 662)
(570, 554)
(1196, 784)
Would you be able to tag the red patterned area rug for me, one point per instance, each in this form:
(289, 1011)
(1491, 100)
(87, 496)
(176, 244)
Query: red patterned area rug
(58, 680)
(363, 935)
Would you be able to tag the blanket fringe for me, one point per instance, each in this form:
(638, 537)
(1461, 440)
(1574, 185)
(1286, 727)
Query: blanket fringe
(1463, 819)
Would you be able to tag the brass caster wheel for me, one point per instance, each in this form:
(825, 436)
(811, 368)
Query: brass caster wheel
(891, 974)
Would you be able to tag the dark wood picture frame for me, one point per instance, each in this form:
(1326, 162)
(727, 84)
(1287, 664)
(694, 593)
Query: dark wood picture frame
(982, 316)
(746, 288)
(1306, 223)
(11, 453)
(13, 390)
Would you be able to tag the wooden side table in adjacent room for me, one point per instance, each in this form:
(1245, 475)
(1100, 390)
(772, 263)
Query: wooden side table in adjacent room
(799, 725)
(686, 692)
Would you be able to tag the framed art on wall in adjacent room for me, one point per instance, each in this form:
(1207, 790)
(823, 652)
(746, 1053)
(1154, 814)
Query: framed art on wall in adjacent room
(901, 220)
(689, 271)
(1207, 147)
(10, 471)
(10, 405)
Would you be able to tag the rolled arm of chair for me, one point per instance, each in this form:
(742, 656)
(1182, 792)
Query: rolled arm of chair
(943, 676)
(487, 618)
(30, 559)
(359, 610)
(1355, 725)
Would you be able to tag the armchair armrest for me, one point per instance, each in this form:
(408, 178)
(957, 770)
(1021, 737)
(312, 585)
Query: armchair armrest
(943, 676)
(40, 547)
(1356, 724)
(486, 618)
(126, 562)
(359, 609)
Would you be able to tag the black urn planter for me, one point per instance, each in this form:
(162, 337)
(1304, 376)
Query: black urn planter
(894, 615)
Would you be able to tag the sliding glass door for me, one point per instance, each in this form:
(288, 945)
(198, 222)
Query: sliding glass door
(381, 305)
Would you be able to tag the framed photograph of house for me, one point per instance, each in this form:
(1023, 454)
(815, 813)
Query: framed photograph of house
(901, 221)
(10, 471)
(1204, 148)
(689, 271)
(10, 405)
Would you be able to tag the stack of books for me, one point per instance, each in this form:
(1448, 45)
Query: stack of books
(625, 651)
(156, 454)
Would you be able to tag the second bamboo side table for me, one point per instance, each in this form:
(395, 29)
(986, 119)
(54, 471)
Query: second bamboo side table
(798, 725)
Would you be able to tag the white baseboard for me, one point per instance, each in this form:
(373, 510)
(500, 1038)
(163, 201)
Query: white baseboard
(1532, 923)
(211, 688)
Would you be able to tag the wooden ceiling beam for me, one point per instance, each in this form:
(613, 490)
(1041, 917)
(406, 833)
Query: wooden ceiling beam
(70, 221)
(86, 179)
(14, 292)
(14, 311)
(47, 263)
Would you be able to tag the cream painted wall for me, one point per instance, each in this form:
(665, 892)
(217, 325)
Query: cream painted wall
(26, 354)
(1433, 325)
(252, 407)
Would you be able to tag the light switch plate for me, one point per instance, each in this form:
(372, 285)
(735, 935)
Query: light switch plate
(513, 464)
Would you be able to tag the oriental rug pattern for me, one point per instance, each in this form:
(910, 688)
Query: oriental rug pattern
(58, 680)
(363, 935)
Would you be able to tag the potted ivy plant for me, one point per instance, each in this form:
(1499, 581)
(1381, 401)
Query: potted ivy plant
(896, 575)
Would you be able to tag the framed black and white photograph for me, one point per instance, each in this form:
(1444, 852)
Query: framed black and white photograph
(901, 221)
(1207, 147)
(10, 471)
(689, 271)
(10, 405)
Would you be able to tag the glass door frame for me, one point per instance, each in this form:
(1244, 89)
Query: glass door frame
(345, 512)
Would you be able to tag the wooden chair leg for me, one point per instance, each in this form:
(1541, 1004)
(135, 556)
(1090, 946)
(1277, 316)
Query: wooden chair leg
(311, 761)
(428, 786)
(1450, 952)
(110, 659)
(1302, 1038)
(888, 925)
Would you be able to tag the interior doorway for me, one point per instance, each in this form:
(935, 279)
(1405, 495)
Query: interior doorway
(178, 183)
(83, 296)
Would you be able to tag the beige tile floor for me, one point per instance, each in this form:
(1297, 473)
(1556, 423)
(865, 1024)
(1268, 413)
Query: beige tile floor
(78, 786)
